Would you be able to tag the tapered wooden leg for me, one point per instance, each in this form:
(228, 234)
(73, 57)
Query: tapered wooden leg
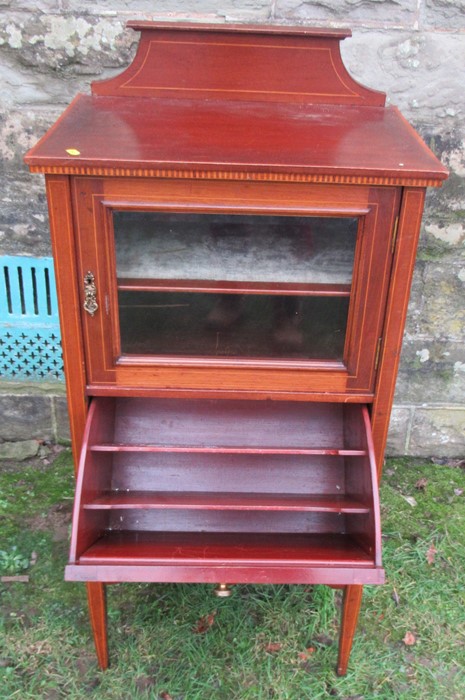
(96, 595)
(350, 611)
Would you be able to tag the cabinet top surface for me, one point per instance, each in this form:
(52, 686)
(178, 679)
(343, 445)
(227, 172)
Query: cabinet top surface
(209, 135)
(274, 101)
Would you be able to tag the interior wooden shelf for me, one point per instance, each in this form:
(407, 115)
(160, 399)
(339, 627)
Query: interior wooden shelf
(227, 548)
(225, 501)
(134, 284)
(223, 449)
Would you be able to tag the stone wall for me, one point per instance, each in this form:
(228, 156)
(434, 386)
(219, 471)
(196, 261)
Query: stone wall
(412, 49)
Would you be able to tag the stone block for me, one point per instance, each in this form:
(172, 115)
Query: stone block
(201, 9)
(38, 6)
(61, 419)
(431, 371)
(349, 11)
(66, 44)
(25, 417)
(432, 367)
(438, 432)
(23, 208)
(418, 71)
(399, 427)
(23, 218)
(19, 130)
(443, 14)
(444, 219)
(437, 309)
(443, 238)
(45, 87)
(447, 141)
(19, 451)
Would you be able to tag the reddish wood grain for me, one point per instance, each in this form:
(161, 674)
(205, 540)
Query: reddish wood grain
(239, 61)
(192, 500)
(371, 268)
(92, 478)
(143, 573)
(396, 313)
(234, 28)
(231, 394)
(227, 548)
(67, 281)
(179, 135)
(245, 450)
(361, 483)
(214, 473)
(217, 287)
(188, 472)
(96, 596)
(139, 514)
(224, 424)
(350, 612)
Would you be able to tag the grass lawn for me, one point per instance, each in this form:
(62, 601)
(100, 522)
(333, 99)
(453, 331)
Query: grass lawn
(179, 642)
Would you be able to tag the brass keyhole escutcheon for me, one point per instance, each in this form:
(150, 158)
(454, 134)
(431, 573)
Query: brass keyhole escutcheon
(90, 293)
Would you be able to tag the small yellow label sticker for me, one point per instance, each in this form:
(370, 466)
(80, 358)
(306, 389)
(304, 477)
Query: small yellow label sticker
(73, 151)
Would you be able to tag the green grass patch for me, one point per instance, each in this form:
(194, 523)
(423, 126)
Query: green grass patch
(262, 643)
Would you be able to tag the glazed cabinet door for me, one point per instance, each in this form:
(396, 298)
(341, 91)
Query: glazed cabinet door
(268, 287)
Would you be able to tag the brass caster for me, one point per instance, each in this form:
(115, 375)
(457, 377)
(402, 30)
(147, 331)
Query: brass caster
(222, 590)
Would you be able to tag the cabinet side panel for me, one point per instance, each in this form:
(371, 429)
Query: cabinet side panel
(361, 483)
(62, 234)
(396, 312)
(93, 478)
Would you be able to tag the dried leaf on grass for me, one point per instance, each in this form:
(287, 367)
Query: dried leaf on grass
(395, 597)
(409, 639)
(305, 655)
(421, 484)
(273, 647)
(165, 696)
(205, 623)
(431, 554)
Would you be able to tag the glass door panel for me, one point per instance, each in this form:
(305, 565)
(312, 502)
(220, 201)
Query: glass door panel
(227, 325)
(233, 286)
(234, 247)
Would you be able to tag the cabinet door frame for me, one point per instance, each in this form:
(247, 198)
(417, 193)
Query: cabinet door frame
(376, 208)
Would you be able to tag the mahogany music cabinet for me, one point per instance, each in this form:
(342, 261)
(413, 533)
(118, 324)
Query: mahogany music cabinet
(234, 223)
